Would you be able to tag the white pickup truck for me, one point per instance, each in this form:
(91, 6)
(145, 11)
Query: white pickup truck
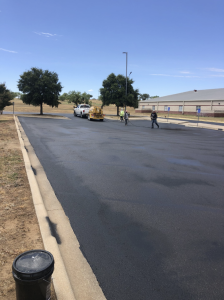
(82, 110)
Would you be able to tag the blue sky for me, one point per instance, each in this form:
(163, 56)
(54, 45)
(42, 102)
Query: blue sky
(173, 46)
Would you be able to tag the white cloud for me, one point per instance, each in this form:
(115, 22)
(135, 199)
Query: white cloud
(185, 72)
(215, 70)
(45, 34)
(192, 76)
(90, 90)
(160, 74)
(168, 75)
(218, 75)
(8, 50)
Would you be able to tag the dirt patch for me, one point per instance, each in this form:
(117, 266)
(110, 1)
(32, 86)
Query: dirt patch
(19, 229)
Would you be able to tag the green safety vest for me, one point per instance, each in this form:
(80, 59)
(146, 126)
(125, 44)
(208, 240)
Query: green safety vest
(122, 113)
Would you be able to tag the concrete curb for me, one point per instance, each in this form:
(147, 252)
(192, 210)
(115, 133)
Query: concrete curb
(61, 281)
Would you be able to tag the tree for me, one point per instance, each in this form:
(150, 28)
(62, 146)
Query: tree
(5, 96)
(15, 94)
(143, 96)
(40, 87)
(19, 95)
(114, 92)
(74, 97)
(78, 97)
(85, 98)
(152, 97)
(63, 97)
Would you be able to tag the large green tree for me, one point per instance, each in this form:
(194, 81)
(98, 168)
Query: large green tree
(114, 92)
(5, 96)
(40, 87)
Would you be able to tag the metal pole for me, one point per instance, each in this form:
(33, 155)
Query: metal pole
(13, 107)
(126, 78)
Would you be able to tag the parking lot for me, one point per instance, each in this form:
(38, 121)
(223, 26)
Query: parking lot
(146, 205)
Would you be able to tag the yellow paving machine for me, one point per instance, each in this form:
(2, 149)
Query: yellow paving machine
(95, 113)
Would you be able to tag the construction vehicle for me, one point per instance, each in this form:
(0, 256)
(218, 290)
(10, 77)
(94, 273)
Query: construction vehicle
(95, 113)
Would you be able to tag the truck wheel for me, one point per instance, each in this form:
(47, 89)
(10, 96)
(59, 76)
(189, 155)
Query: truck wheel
(89, 118)
(101, 120)
(81, 115)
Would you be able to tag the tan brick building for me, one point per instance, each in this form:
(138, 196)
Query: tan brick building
(211, 103)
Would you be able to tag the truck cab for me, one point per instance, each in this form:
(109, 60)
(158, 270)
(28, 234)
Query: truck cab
(81, 110)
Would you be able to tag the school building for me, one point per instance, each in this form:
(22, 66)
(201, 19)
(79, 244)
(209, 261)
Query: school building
(210, 102)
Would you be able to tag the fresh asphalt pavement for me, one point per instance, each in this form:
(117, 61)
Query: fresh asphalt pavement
(147, 205)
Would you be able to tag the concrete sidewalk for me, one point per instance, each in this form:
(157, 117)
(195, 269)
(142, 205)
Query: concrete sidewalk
(192, 124)
(184, 122)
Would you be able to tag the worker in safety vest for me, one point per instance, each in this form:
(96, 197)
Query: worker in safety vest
(121, 115)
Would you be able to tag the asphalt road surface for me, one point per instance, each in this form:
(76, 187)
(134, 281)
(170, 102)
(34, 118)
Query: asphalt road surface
(147, 205)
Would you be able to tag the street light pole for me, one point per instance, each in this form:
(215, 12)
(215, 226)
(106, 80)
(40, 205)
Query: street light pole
(126, 77)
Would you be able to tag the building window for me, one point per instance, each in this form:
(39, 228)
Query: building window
(143, 106)
(181, 108)
(165, 108)
(198, 107)
(153, 107)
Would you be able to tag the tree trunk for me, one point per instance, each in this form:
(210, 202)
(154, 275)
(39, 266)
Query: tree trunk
(41, 108)
(117, 110)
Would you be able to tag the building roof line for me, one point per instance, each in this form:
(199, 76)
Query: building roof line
(194, 95)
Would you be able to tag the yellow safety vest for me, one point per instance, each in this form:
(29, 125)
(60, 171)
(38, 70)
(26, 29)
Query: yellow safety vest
(122, 113)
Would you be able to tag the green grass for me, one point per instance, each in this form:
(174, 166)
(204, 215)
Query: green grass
(13, 176)
(13, 158)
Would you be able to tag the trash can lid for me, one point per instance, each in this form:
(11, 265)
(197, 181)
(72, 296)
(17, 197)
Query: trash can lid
(33, 264)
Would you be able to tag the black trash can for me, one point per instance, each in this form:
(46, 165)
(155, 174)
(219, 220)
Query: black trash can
(32, 272)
